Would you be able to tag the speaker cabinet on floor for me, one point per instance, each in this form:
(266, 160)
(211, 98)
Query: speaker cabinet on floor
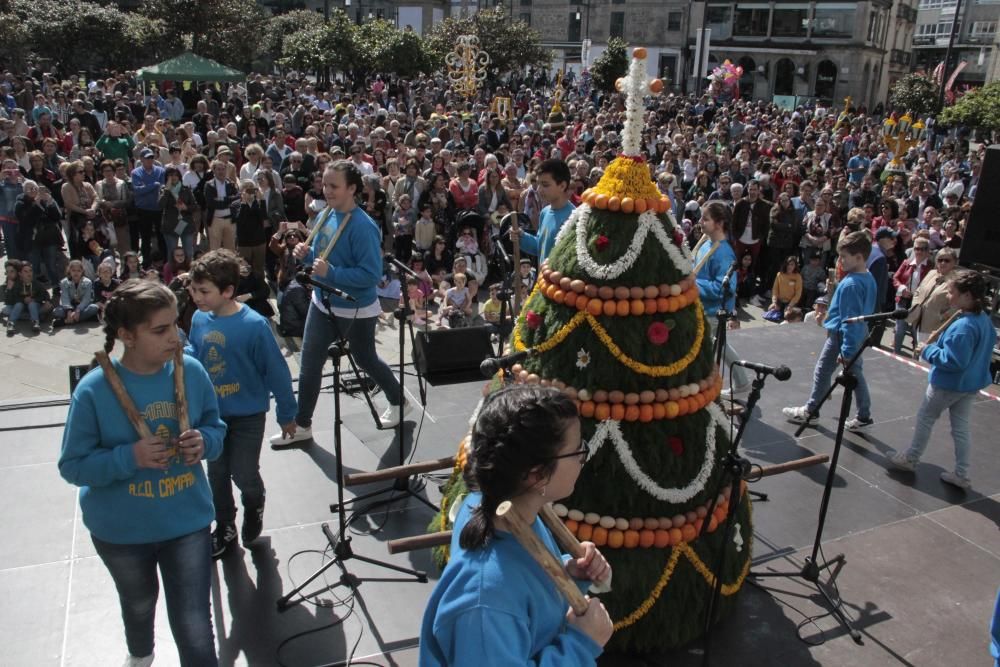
(447, 351)
(981, 243)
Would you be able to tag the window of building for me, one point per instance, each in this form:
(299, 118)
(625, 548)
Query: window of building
(720, 19)
(573, 34)
(751, 20)
(526, 18)
(617, 25)
(937, 4)
(673, 21)
(790, 20)
(984, 28)
(939, 29)
(525, 3)
(834, 19)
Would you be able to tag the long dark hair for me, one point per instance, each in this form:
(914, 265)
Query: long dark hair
(519, 429)
(352, 176)
(719, 212)
(131, 304)
(972, 283)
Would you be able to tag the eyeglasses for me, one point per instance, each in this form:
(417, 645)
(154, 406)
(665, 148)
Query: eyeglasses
(582, 453)
(944, 260)
(920, 249)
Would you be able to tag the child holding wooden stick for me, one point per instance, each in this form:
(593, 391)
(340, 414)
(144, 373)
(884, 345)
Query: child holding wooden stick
(144, 494)
(494, 604)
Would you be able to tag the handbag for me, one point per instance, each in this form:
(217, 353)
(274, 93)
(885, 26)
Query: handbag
(774, 315)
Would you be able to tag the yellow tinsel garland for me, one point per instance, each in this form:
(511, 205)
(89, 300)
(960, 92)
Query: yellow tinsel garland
(616, 352)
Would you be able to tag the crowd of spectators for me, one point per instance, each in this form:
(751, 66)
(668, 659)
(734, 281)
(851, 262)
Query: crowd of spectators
(143, 179)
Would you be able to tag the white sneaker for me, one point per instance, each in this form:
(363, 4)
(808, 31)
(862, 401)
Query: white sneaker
(739, 390)
(132, 661)
(301, 433)
(798, 415)
(393, 414)
(899, 461)
(949, 477)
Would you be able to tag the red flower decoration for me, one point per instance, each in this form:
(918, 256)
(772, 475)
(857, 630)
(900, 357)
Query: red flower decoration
(658, 333)
(676, 445)
(679, 238)
(533, 319)
(602, 242)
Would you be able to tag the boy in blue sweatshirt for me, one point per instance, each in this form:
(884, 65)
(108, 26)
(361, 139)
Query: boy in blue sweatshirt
(553, 187)
(960, 367)
(854, 296)
(237, 348)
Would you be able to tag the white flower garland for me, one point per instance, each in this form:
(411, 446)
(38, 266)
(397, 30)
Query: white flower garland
(633, 86)
(611, 430)
(648, 221)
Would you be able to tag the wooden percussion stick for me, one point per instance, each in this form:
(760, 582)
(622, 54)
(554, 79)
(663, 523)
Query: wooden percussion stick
(941, 329)
(183, 420)
(545, 558)
(564, 537)
(124, 400)
(697, 268)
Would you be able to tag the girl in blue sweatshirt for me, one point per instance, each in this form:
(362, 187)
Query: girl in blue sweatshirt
(960, 367)
(146, 501)
(494, 605)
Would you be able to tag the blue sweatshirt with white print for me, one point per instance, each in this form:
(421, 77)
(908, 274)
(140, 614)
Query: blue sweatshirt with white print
(854, 296)
(122, 503)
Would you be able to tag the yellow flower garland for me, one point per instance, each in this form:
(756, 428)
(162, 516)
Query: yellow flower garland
(668, 571)
(626, 178)
(616, 352)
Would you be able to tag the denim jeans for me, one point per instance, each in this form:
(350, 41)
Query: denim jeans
(47, 255)
(185, 563)
(902, 328)
(239, 462)
(17, 311)
(320, 332)
(14, 251)
(826, 365)
(87, 314)
(186, 240)
(959, 406)
(729, 355)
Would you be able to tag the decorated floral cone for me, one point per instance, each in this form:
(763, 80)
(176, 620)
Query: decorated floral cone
(616, 323)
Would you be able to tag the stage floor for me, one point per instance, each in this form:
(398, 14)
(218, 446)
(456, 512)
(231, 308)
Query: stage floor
(923, 560)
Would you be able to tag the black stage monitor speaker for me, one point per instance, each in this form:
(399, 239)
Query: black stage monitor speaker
(981, 244)
(447, 351)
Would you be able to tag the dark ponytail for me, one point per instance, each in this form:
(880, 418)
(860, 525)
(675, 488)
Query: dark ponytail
(132, 303)
(972, 283)
(352, 176)
(519, 429)
(720, 213)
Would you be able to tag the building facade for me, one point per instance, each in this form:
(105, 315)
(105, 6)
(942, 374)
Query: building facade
(899, 44)
(975, 43)
(418, 15)
(795, 51)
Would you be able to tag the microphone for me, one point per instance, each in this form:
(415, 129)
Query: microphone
(306, 280)
(491, 365)
(780, 373)
(898, 314)
(729, 273)
(399, 266)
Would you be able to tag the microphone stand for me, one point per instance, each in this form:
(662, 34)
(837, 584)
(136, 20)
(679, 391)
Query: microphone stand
(401, 485)
(736, 468)
(341, 542)
(504, 295)
(812, 568)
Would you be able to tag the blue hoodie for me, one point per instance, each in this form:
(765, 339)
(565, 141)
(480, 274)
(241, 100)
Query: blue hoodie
(960, 358)
(855, 295)
(710, 277)
(146, 187)
(496, 606)
(550, 221)
(244, 363)
(356, 260)
(122, 503)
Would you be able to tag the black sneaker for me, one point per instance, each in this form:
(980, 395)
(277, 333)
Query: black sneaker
(11, 330)
(253, 523)
(36, 327)
(58, 322)
(223, 539)
(858, 424)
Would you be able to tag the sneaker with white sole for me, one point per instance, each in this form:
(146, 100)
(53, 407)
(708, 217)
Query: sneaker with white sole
(253, 524)
(132, 661)
(223, 539)
(949, 477)
(858, 424)
(302, 433)
(798, 415)
(393, 414)
(728, 394)
(899, 461)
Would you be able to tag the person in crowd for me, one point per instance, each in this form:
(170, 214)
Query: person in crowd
(144, 530)
(11, 187)
(960, 367)
(220, 195)
(177, 203)
(147, 181)
(104, 287)
(493, 598)
(905, 282)
(76, 297)
(346, 254)
(39, 229)
(27, 298)
(246, 367)
(855, 296)
(115, 199)
(786, 290)
(553, 179)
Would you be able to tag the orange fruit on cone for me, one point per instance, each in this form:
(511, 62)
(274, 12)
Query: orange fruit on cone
(600, 536)
(646, 413)
(628, 204)
(586, 531)
(641, 205)
(631, 539)
(602, 411)
(647, 538)
(656, 86)
(587, 409)
(601, 201)
(661, 539)
(595, 307)
(610, 308)
(659, 411)
(623, 308)
(639, 53)
(618, 412)
(637, 307)
(676, 536)
(687, 530)
(614, 203)
(616, 538)
(571, 525)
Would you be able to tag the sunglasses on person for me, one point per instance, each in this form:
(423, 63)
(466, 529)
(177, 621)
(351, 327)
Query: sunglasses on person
(944, 260)
(582, 453)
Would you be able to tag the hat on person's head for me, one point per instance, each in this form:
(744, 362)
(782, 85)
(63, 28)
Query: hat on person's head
(822, 301)
(146, 154)
(224, 149)
(885, 233)
(692, 206)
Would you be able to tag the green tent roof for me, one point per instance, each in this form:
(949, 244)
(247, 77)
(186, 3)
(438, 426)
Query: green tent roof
(190, 67)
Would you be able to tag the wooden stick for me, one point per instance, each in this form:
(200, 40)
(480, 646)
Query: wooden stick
(183, 420)
(118, 389)
(697, 268)
(797, 464)
(335, 238)
(564, 537)
(398, 471)
(545, 558)
(426, 541)
(316, 225)
(941, 329)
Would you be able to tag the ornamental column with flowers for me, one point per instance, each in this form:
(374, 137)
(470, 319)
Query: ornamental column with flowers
(617, 324)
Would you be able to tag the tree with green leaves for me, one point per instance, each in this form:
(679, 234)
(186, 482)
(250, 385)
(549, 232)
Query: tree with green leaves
(280, 26)
(322, 46)
(915, 93)
(978, 109)
(227, 31)
(610, 65)
(383, 48)
(511, 45)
